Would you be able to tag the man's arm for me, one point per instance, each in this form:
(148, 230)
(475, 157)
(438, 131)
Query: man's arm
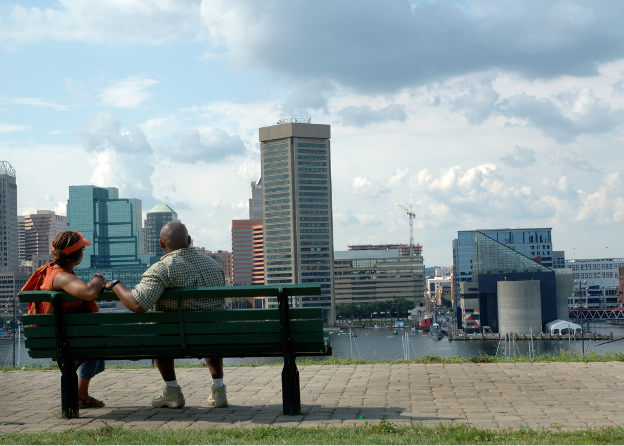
(126, 297)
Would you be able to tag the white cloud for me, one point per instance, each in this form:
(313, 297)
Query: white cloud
(93, 21)
(36, 102)
(127, 93)
(368, 189)
(8, 128)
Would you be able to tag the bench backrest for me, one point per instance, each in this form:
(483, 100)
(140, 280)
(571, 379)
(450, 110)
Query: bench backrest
(181, 334)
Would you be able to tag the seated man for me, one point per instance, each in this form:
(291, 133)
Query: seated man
(181, 266)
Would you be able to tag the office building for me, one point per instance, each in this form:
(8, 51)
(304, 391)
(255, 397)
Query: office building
(247, 248)
(443, 271)
(8, 218)
(509, 291)
(255, 202)
(39, 232)
(112, 224)
(438, 287)
(377, 275)
(21, 240)
(157, 217)
(596, 282)
(404, 250)
(297, 206)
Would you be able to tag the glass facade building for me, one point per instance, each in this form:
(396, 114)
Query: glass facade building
(297, 206)
(157, 217)
(532, 243)
(112, 224)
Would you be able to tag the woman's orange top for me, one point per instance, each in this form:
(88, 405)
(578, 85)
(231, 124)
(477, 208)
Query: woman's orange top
(43, 279)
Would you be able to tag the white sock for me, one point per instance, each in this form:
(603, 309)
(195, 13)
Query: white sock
(217, 382)
(173, 383)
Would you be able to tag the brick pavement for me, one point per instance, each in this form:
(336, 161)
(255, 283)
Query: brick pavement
(567, 395)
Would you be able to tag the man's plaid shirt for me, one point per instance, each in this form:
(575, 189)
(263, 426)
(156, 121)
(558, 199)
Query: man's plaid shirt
(181, 268)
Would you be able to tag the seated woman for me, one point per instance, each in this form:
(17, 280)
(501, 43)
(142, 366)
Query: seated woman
(59, 275)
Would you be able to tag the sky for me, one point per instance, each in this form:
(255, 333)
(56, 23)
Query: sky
(481, 114)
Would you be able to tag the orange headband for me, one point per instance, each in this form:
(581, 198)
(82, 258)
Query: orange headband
(73, 248)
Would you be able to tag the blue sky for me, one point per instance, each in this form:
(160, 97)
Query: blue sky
(481, 114)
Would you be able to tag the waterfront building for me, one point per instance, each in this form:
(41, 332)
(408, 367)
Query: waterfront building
(438, 287)
(510, 291)
(376, 275)
(596, 282)
(255, 202)
(112, 225)
(157, 217)
(297, 206)
(39, 232)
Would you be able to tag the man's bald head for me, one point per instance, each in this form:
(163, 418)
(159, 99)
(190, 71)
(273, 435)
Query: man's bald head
(174, 236)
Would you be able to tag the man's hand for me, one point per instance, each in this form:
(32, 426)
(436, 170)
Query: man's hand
(125, 296)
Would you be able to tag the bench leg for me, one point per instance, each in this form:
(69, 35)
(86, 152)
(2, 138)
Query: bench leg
(291, 397)
(69, 393)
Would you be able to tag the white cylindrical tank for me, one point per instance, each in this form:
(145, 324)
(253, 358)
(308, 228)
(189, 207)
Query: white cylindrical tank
(519, 306)
(565, 288)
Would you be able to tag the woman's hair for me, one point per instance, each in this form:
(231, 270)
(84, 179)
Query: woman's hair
(61, 241)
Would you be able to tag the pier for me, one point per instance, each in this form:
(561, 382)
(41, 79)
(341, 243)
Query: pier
(527, 337)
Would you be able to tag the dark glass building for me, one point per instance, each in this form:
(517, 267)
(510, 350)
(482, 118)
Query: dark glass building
(112, 224)
(157, 217)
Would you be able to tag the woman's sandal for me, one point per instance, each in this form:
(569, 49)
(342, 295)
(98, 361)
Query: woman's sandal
(89, 402)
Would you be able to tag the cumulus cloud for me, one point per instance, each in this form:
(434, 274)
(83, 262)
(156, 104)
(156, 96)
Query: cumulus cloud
(212, 147)
(311, 95)
(477, 103)
(413, 45)
(519, 157)
(365, 115)
(570, 159)
(121, 156)
(586, 114)
(368, 189)
(127, 93)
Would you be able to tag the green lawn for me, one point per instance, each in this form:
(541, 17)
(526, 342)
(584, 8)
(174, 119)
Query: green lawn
(382, 433)
(560, 356)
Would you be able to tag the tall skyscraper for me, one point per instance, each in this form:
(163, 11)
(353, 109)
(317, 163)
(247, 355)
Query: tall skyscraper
(39, 231)
(112, 224)
(243, 247)
(8, 218)
(297, 206)
(157, 217)
(255, 202)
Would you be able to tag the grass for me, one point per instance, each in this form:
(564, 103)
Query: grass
(560, 356)
(379, 433)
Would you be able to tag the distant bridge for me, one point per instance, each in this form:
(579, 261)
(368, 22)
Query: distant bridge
(614, 314)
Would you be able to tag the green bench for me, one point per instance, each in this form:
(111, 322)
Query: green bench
(70, 339)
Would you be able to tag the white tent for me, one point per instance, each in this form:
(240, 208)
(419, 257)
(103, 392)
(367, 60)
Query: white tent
(559, 326)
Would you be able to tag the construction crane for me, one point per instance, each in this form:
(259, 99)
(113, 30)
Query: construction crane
(412, 215)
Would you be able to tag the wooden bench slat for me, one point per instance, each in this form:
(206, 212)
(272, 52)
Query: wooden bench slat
(39, 319)
(121, 318)
(125, 329)
(45, 331)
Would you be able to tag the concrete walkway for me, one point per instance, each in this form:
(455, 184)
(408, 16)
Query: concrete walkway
(567, 395)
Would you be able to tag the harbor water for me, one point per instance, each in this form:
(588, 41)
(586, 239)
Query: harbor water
(373, 344)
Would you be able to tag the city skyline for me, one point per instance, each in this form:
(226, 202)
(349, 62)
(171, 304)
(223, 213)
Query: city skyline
(471, 121)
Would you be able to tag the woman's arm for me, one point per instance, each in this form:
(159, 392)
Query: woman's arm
(77, 288)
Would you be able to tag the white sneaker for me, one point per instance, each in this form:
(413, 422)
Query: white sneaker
(218, 397)
(170, 397)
